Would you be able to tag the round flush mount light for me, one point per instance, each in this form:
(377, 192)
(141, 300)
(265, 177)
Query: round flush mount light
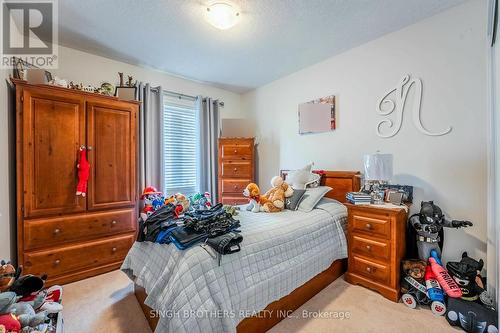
(222, 15)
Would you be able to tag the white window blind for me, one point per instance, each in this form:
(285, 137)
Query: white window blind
(181, 137)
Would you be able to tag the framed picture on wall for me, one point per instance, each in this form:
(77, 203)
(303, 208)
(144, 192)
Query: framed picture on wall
(318, 116)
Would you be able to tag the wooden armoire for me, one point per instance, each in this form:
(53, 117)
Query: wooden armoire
(236, 169)
(65, 236)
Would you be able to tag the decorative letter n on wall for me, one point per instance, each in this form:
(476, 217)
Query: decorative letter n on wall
(387, 106)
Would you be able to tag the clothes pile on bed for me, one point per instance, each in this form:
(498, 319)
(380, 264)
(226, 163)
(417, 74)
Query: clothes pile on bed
(215, 226)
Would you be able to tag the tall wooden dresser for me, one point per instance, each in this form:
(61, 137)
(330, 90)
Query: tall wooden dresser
(65, 236)
(236, 169)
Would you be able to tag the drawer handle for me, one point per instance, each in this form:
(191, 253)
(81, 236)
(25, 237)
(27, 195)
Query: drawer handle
(368, 226)
(57, 262)
(369, 269)
(368, 248)
(235, 169)
(235, 187)
(56, 231)
(113, 249)
(235, 151)
(113, 222)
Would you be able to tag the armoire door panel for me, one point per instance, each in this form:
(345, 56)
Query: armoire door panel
(54, 127)
(111, 134)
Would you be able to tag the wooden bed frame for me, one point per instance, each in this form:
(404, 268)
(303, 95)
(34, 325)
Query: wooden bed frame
(341, 182)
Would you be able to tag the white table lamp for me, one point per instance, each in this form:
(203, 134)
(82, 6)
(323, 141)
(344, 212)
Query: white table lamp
(378, 170)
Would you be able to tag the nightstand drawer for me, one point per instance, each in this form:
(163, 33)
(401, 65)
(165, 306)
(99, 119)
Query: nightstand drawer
(376, 249)
(375, 271)
(373, 225)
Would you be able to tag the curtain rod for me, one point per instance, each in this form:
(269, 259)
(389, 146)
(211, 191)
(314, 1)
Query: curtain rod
(175, 94)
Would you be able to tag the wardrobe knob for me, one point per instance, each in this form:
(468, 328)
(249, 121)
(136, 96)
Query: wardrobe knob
(235, 169)
(113, 249)
(57, 262)
(235, 187)
(113, 222)
(369, 269)
(368, 226)
(368, 247)
(235, 151)
(57, 231)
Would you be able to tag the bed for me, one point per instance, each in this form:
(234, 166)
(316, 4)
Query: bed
(286, 258)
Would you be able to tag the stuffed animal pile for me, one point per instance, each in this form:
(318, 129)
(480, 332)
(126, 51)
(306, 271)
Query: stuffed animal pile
(272, 201)
(153, 200)
(25, 307)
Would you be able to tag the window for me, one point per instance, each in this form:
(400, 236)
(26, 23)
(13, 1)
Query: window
(180, 144)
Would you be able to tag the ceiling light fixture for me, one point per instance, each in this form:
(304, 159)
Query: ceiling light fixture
(222, 15)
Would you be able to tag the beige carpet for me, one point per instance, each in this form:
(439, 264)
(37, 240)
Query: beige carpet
(106, 303)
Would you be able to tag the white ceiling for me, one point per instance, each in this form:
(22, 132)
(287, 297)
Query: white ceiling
(273, 38)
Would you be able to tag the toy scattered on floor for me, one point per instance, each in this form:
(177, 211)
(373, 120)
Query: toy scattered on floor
(467, 274)
(449, 285)
(434, 292)
(8, 274)
(9, 324)
(412, 285)
(27, 284)
(471, 317)
(201, 201)
(83, 172)
(428, 225)
(252, 192)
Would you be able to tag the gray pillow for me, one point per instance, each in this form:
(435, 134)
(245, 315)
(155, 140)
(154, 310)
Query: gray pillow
(312, 197)
(292, 203)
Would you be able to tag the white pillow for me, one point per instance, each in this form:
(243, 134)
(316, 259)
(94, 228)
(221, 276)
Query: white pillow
(299, 179)
(312, 197)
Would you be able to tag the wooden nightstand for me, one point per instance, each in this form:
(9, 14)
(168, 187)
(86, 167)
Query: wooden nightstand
(376, 245)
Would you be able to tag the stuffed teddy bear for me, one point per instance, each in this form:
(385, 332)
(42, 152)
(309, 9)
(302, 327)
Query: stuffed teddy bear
(8, 274)
(413, 287)
(274, 199)
(252, 192)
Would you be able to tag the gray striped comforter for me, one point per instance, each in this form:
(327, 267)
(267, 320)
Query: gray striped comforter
(280, 251)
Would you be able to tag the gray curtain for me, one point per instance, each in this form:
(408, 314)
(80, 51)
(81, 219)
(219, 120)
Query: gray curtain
(150, 137)
(209, 139)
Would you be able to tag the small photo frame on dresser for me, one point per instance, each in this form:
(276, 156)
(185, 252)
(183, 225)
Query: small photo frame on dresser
(394, 197)
(126, 93)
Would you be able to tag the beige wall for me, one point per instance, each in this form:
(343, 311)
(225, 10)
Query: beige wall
(448, 52)
(87, 68)
(6, 227)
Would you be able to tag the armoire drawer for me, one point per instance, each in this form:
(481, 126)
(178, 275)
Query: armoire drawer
(72, 258)
(57, 231)
(238, 169)
(234, 185)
